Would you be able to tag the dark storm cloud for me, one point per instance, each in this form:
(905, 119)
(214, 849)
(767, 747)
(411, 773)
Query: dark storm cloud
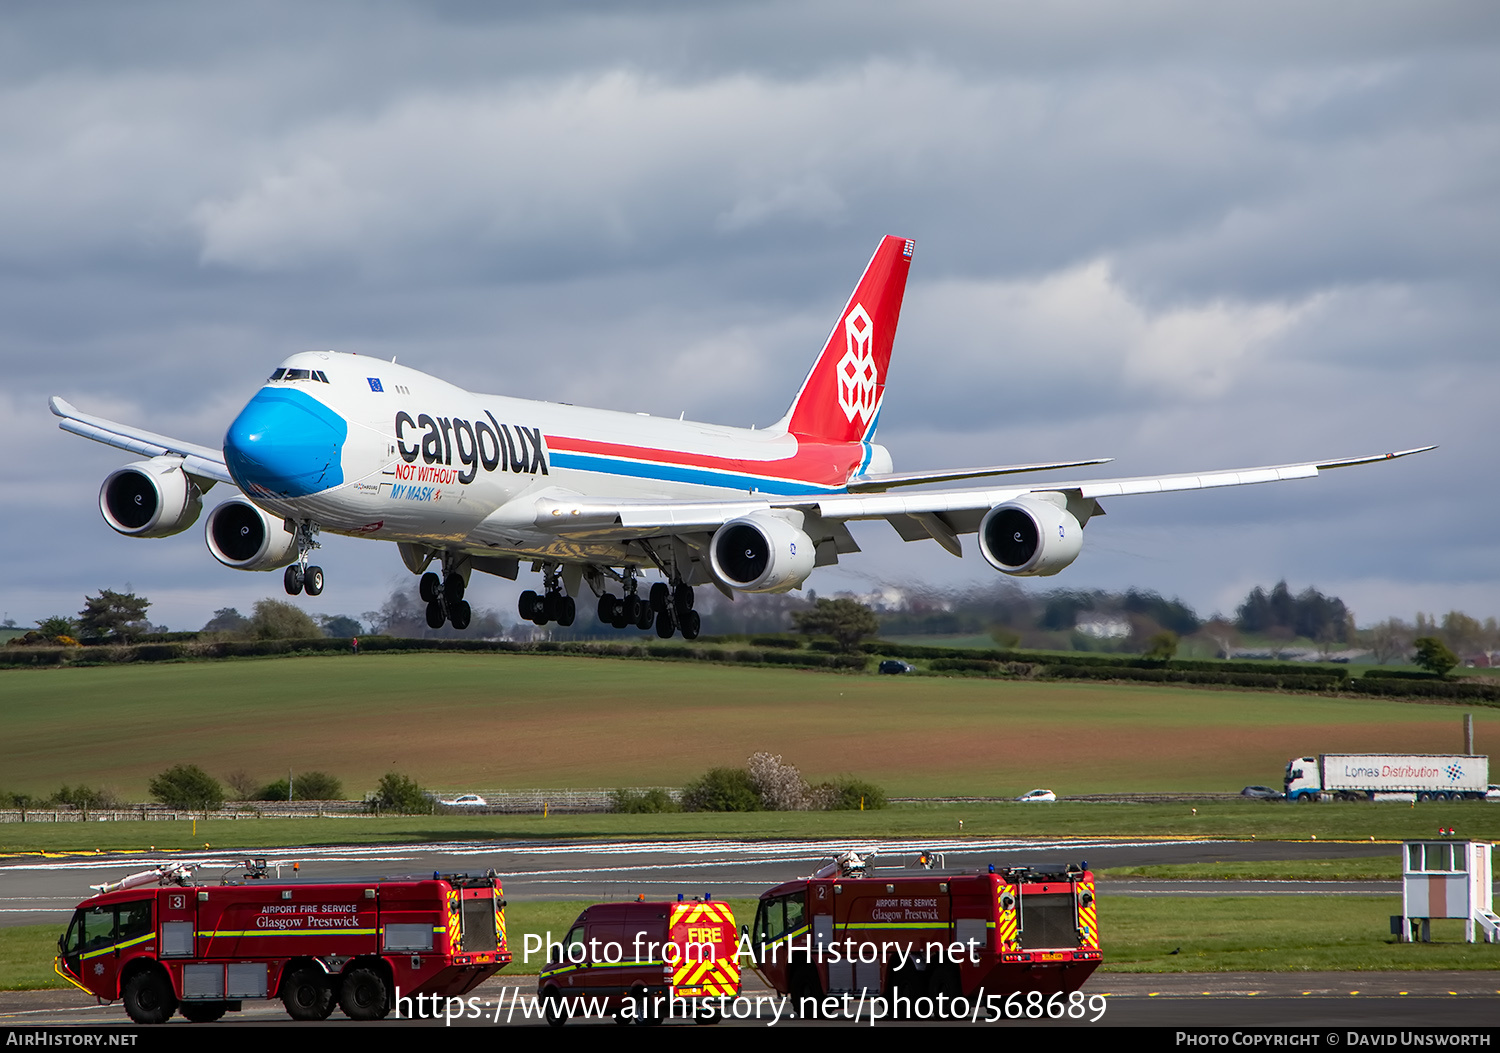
(1185, 235)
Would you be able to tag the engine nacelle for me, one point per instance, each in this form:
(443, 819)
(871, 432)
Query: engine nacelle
(241, 536)
(760, 552)
(154, 498)
(1030, 537)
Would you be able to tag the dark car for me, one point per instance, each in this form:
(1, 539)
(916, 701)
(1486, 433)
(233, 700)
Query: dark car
(892, 665)
(1263, 793)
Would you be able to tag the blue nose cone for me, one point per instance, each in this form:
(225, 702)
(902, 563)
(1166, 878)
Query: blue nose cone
(285, 443)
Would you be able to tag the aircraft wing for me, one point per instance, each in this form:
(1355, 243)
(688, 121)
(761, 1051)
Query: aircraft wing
(197, 460)
(939, 514)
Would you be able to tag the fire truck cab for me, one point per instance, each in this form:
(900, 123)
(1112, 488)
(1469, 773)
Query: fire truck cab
(205, 948)
(925, 931)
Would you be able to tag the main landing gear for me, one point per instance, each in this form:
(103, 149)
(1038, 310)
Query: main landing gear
(299, 575)
(553, 605)
(668, 607)
(445, 600)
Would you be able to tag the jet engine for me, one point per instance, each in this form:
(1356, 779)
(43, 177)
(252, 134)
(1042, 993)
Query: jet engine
(1031, 536)
(241, 536)
(152, 498)
(761, 552)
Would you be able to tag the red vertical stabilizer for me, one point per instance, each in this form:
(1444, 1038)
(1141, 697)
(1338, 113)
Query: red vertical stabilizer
(840, 399)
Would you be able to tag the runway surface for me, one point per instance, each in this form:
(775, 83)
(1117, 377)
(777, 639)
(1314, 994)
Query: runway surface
(34, 890)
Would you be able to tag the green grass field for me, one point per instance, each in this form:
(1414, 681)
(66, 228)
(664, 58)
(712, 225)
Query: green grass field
(1140, 935)
(456, 721)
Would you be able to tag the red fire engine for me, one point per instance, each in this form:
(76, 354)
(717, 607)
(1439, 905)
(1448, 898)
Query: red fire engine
(205, 948)
(927, 931)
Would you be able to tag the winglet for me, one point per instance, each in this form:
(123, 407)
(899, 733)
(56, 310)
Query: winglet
(1348, 461)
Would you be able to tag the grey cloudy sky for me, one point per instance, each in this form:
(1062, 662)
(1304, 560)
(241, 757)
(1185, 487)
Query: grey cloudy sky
(1183, 235)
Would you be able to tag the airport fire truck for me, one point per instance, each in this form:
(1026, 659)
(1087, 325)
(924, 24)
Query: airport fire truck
(204, 948)
(927, 931)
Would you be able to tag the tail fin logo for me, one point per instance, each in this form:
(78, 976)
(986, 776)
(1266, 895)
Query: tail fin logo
(858, 377)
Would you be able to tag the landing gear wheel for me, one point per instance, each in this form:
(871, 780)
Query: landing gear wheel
(549, 607)
(567, 611)
(660, 594)
(453, 588)
(664, 626)
(312, 581)
(528, 605)
(306, 995)
(691, 624)
(648, 616)
(149, 998)
(436, 616)
(460, 614)
(364, 996)
(632, 607)
(606, 610)
(682, 598)
(203, 1012)
(291, 579)
(429, 588)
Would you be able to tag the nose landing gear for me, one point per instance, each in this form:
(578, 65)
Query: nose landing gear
(299, 575)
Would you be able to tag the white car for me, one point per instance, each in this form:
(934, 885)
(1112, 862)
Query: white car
(467, 800)
(1037, 795)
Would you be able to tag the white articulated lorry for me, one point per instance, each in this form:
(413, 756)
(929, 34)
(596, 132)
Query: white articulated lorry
(1367, 776)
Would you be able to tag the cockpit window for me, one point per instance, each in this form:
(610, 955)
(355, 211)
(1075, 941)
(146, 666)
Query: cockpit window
(300, 374)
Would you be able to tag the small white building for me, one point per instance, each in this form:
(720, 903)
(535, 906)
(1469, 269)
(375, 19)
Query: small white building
(1446, 879)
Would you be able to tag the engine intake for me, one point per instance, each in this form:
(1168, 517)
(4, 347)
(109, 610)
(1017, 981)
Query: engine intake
(761, 553)
(242, 536)
(1030, 537)
(154, 498)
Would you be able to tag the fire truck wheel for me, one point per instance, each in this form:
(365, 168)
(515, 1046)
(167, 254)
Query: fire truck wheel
(907, 985)
(364, 996)
(805, 984)
(203, 1012)
(307, 996)
(945, 981)
(646, 1015)
(555, 1008)
(149, 998)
